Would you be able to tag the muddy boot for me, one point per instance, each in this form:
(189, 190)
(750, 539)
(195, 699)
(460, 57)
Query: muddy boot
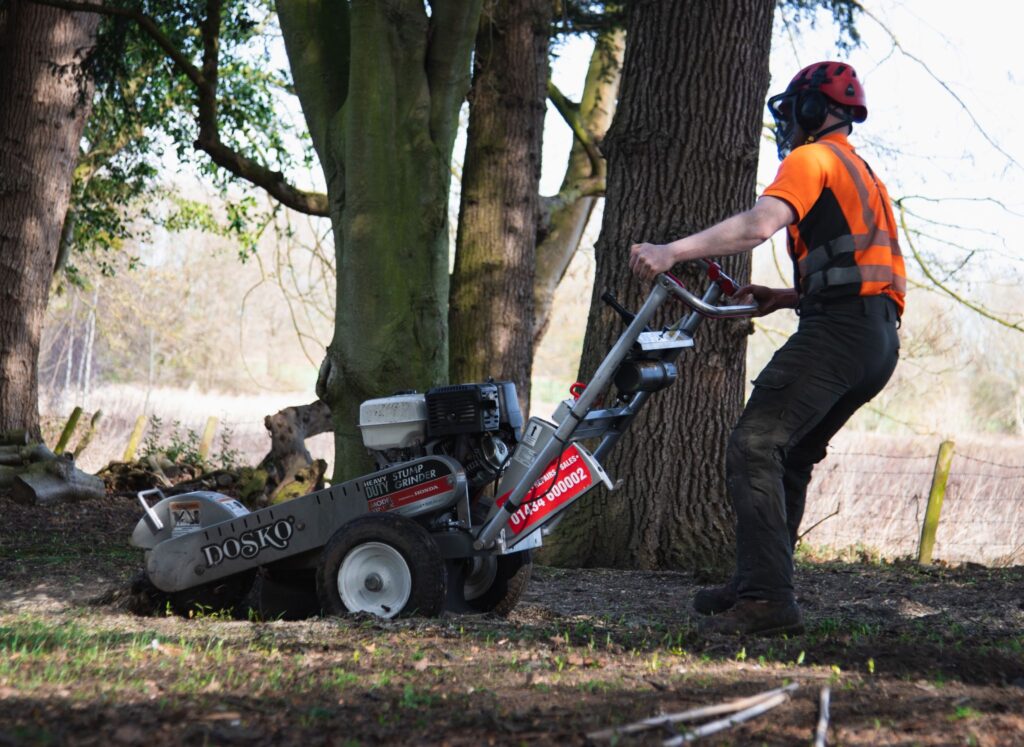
(715, 600)
(756, 617)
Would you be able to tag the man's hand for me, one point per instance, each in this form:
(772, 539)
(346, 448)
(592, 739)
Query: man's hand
(648, 260)
(767, 299)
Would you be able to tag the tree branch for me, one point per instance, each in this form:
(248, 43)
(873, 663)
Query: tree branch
(146, 23)
(571, 114)
(205, 81)
(945, 86)
(1018, 327)
(453, 25)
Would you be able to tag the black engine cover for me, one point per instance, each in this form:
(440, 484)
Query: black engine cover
(463, 408)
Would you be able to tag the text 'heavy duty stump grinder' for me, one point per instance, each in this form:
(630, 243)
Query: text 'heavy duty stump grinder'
(427, 531)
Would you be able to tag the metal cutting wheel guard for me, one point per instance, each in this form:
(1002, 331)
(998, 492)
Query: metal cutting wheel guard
(549, 469)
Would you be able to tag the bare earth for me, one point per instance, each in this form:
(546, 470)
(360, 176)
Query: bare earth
(913, 657)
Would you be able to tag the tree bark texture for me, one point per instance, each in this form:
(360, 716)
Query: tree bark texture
(381, 83)
(682, 154)
(44, 101)
(568, 212)
(491, 311)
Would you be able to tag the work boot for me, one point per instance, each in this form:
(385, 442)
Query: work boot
(716, 600)
(756, 617)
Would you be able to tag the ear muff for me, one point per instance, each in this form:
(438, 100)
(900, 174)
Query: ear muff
(811, 109)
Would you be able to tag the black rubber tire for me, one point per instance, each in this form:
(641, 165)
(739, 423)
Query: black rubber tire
(144, 598)
(224, 595)
(413, 543)
(284, 595)
(511, 578)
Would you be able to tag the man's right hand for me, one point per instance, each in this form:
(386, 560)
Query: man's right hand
(767, 299)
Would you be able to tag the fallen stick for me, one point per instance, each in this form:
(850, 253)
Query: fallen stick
(822, 731)
(691, 715)
(737, 718)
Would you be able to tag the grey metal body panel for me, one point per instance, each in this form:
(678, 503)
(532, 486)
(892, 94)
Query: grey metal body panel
(223, 538)
(225, 544)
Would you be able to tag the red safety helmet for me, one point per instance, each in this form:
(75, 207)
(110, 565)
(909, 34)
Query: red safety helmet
(814, 93)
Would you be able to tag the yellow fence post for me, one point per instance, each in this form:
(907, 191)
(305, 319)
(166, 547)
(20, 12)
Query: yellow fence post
(207, 441)
(69, 429)
(133, 440)
(935, 498)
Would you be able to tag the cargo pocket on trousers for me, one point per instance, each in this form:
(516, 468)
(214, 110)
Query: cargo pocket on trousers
(775, 378)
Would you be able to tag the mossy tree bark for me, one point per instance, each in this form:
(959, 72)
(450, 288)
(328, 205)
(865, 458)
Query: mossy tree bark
(44, 102)
(381, 83)
(682, 154)
(491, 312)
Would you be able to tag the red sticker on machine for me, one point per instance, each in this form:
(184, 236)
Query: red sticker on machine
(559, 484)
(410, 495)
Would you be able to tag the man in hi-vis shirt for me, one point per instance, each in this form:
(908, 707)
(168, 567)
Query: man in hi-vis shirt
(849, 289)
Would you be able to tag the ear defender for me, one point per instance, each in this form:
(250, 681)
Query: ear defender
(811, 109)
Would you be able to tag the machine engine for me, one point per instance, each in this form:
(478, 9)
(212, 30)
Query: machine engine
(478, 425)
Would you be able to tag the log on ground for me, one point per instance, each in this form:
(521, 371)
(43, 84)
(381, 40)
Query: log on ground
(55, 481)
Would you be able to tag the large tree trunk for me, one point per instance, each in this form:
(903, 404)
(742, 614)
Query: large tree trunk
(682, 154)
(44, 102)
(381, 84)
(491, 313)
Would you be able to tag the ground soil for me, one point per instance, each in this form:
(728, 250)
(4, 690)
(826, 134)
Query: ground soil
(912, 656)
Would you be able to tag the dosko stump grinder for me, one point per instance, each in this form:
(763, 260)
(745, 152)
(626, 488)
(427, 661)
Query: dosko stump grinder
(427, 531)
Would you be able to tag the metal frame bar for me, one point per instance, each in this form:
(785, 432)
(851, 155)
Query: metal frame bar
(664, 288)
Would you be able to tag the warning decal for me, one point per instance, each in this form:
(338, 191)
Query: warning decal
(184, 517)
(565, 479)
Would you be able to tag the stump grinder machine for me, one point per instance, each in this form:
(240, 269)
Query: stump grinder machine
(462, 492)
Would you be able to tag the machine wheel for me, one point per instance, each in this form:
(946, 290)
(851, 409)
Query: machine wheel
(144, 598)
(284, 594)
(222, 595)
(384, 564)
(494, 583)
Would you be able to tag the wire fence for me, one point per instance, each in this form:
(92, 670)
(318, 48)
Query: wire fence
(871, 493)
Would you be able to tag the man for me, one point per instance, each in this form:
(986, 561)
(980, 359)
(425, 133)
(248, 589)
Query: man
(849, 291)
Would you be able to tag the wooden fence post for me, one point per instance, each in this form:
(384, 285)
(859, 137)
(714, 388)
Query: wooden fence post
(87, 438)
(69, 429)
(935, 498)
(133, 440)
(207, 441)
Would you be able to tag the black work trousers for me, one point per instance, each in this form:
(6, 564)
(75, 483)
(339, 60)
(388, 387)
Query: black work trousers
(841, 356)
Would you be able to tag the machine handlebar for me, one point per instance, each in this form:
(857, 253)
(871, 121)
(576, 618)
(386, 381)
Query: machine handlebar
(671, 283)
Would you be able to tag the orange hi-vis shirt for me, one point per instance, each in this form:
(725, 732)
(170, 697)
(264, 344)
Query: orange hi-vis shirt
(844, 242)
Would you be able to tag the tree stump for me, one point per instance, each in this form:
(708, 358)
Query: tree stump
(53, 481)
(289, 461)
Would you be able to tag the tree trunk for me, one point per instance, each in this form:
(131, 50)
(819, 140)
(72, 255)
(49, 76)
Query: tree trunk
(380, 85)
(567, 213)
(682, 154)
(491, 312)
(45, 93)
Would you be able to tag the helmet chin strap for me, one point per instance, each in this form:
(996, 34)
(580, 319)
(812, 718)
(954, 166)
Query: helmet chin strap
(846, 121)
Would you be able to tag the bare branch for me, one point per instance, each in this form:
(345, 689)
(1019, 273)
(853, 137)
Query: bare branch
(571, 114)
(1018, 326)
(990, 200)
(945, 86)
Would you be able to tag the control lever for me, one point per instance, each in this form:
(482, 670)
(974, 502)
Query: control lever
(626, 315)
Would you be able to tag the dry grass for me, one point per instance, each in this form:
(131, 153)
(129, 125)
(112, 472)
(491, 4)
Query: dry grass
(871, 493)
(868, 498)
(241, 413)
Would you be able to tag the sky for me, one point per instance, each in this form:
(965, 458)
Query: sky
(945, 88)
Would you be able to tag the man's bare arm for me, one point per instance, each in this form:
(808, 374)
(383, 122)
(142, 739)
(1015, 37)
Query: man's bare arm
(740, 233)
